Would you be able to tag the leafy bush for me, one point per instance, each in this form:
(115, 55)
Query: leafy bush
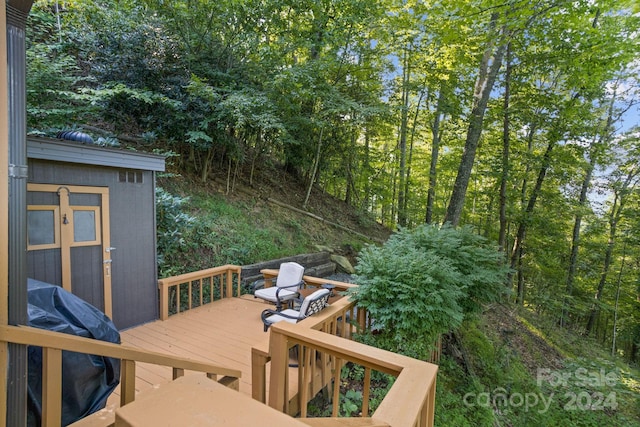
(171, 223)
(423, 282)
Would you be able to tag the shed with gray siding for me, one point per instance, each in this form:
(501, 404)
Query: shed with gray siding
(91, 225)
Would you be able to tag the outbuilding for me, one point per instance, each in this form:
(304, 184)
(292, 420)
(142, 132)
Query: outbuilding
(91, 225)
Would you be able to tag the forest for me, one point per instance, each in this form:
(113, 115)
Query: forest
(517, 119)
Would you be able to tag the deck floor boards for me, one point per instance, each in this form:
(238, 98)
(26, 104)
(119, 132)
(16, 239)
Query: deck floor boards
(222, 333)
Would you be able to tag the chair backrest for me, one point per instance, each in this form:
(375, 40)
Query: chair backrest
(314, 303)
(289, 274)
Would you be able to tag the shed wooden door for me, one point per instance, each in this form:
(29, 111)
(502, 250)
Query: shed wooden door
(68, 240)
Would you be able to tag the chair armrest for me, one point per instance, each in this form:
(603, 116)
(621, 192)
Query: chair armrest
(296, 285)
(258, 284)
(268, 312)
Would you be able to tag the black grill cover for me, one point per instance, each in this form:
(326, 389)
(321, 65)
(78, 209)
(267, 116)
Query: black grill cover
(87, 380)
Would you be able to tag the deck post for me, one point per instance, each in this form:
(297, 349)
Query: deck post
(51, 387)
(229, 284)
(164, 300)
(431, 406)
(127, 381)
(279, 351)
(259, 375)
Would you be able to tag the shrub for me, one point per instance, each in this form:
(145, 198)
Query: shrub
(171, 222)
(423, 282)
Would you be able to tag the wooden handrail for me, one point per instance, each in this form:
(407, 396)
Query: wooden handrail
(225, 275)
(42, 338)
(409, 402)
(53, 343)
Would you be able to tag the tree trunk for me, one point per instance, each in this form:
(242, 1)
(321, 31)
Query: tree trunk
(575, 237)
(522, 227)
(614, 218)
(435, 149)
(316, 162)
(613, 223)
(349, 178)
(407, 181)
(489, 67)
(575, 240)
(366, 166)
(504, 177)
(402, 144)
(206, 166)
(615, 311)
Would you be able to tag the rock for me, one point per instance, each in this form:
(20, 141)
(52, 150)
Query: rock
(343, 264)
(322, 248)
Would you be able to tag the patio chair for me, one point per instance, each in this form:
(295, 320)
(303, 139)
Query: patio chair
(288, 282)
(310, 305)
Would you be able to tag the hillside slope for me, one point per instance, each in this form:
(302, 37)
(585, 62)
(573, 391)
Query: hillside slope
(240, 223)
(499, 356)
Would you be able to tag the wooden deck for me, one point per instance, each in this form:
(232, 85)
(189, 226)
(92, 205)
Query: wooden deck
(222, 332)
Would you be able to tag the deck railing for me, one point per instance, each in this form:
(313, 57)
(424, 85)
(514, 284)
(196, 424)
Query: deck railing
(324, 346)
(189, 290)
(409, 402)
(324, 343)
(54, 343)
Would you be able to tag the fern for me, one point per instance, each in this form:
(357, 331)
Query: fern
(423, 282)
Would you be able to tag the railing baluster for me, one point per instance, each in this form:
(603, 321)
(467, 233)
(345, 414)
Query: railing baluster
(201, 288)
(223, 275)
(178, 292)
(304, 370)
(336, 388)
(313, 369)
(51, 387)
(366, 392)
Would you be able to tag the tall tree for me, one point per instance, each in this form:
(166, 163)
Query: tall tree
(488, 70)
(625, 183)
(506, 147)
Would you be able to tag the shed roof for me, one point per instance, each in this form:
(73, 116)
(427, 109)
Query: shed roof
(73, 152)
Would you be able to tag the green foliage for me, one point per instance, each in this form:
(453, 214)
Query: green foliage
(52, 78)
(500, 390)
(452, 385)
(172, 222)
(350, 403)
(423, 282)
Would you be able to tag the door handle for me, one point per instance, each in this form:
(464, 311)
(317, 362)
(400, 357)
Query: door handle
(109, 249)
(107, 267)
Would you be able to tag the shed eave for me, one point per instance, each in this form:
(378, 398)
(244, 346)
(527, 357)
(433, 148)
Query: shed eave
(57, 150)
